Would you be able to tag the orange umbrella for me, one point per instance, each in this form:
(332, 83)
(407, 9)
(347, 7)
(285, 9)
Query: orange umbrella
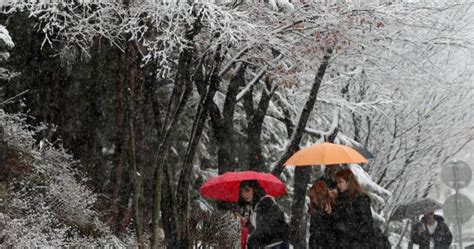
(325, 153)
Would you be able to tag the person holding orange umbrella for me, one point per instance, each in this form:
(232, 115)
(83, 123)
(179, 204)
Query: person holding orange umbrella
(322, 203)
(353, 215)
(330, 155)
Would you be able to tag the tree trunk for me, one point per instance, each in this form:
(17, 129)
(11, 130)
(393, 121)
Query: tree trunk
(222, 134)
(302, 177)
(228, 111)
(295, 139)
(223, 123)
(168, 209)
(182, 194)
(162, 170)
(255, 120)
(150, 91)
(298, 221)
(119, 172)
(132, 71)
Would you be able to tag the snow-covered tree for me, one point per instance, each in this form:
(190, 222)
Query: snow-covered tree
(48, 201)
(6, 44)
(234, 85)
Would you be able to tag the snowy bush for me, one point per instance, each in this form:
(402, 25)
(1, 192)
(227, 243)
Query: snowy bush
(5, 44)
(209, 226)
(47, 205)
(215, 229)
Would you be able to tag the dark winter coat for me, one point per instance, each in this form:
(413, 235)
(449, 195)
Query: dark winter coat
(271, 226)
(442, 236)
(381, 240)
(321, 230)
(353, 222)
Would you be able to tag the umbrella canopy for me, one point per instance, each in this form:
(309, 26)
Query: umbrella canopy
(326, 154)
(363, 151)
(226, 187)
(415, 208)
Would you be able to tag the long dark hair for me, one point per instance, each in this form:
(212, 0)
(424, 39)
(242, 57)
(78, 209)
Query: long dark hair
(353, 187)
(258, 192)
(319, 196)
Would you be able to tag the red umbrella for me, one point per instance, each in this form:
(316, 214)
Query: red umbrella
(225, 187)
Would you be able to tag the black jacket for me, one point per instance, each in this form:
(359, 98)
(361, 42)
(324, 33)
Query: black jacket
(381, 240)
(354, 224)
(271, 226)
(442, 236)
(321, 230)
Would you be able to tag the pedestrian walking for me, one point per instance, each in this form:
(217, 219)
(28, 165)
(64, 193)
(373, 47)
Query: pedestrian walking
(353, 216)
(431, 233)
(267, 226)
(321, 206)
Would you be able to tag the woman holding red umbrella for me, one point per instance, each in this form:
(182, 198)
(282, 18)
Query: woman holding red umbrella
(254, 191)
(266, 225)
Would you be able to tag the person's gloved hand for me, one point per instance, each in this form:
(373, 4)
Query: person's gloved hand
(420, 228)
(328, 208)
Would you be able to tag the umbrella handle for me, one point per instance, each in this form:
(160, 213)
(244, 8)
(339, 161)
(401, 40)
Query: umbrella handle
(238, 215)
